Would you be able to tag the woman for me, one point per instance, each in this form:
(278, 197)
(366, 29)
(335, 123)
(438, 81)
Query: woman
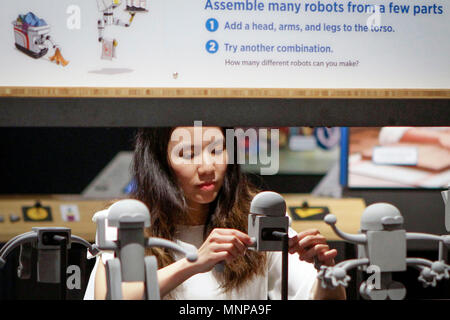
(197, 196)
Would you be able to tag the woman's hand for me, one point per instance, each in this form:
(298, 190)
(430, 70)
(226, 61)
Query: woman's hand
(309, 244)
(221, 245)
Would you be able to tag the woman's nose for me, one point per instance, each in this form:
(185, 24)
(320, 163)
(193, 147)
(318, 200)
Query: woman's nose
(207, 164)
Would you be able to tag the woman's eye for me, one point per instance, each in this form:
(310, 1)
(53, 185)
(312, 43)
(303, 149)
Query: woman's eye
(186, 154)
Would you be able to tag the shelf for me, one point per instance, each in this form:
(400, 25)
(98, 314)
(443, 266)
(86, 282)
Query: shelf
(157, 112)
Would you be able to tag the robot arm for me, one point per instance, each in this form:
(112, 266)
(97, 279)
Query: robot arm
(423, 236)
(158, 242)
(430, 272)
(92, 248)
(332, 277)
(102, 243)
(13, 239)
(331, 220)
(350, 264)
(444, 242)
(418, 263)
(14, 243)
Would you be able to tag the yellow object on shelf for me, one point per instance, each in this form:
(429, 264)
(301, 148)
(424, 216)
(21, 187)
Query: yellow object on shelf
(347, 210)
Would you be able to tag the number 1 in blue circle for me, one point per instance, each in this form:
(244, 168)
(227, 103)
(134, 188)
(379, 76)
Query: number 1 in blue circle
(212, 46)
(212, 25)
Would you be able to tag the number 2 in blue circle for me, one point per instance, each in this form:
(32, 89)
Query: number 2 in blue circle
(212, 25)
(212, 46)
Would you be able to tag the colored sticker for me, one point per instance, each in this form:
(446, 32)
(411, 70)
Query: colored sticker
(70, 213)
(308, 213)
(37, 213)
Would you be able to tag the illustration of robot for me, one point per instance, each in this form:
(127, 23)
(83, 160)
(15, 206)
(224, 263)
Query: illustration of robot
(136, 5)
(107, 8)
(382, 248)
(32, 37)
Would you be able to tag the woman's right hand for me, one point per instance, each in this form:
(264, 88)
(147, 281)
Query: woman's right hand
(221, 245)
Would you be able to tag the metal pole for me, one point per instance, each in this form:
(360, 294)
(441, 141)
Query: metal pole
(284, 263)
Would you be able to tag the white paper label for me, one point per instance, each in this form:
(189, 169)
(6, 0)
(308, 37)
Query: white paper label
(406, 156)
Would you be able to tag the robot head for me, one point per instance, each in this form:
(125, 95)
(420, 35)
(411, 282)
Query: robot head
(268, 203)
(381, 216)
(128, 211)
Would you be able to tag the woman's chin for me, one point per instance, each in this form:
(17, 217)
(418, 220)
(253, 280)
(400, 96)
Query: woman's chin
(205, 198)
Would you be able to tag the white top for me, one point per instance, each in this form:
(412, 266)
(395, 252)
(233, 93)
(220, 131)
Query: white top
(204, 286)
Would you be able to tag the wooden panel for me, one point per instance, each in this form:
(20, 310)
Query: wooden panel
(85, 228)
(348, 212)
(74, 92)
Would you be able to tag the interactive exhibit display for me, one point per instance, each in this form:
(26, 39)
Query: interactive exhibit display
(395, 157)
(382, 248)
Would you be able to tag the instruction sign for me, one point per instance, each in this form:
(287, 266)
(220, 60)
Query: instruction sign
(226, 44)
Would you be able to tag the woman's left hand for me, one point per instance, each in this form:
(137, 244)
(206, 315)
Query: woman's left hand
(309, 244)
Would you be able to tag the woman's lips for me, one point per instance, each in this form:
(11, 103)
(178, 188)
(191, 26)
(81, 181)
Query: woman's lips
(208, 186)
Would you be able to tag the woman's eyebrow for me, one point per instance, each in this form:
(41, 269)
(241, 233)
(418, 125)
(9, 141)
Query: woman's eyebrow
(208, 143)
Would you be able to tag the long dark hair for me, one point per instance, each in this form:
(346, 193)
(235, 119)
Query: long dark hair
(156, 186)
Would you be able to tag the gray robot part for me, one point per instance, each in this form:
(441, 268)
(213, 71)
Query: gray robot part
(376, 216)
(130, 264)
(51, 244)
(446, 196)
(268, 228)
(268, 203)
(128, 211)
(267, 215)
(382, 248)
(261, 228)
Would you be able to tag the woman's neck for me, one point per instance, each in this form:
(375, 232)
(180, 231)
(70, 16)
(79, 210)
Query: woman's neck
(198, 213)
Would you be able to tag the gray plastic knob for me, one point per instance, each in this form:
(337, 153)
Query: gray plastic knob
(129, 210)
(268, 203)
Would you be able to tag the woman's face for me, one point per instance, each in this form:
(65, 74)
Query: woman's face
(198, 158)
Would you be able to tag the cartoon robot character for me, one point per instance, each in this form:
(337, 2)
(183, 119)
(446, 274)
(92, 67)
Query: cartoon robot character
(32, 37)
(130, 264)
(107, 8)
(382, 248)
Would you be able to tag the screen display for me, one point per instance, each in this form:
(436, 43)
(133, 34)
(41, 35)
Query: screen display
(397, 157)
